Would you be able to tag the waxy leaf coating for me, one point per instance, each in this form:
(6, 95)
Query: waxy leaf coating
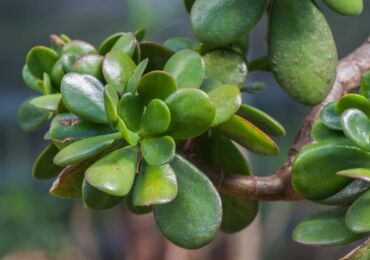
(90, 64)
(44, 167)
(156, 118)
(30, 80)
(125, 44)
(155, 185)
(192, 113)
(158, 150)
(346, 7)
(359, 173)
(356, 127)
(114, 174)
(47, 102)
(193, 218)
(357, 216)
(330, 118)
(130, 110)
(320, 132)
(187, 68)
(41, 60)
(83, 95)
(353, 101)
(325, 229)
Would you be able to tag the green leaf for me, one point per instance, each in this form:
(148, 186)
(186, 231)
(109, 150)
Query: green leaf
(321, 132)
(262, 120)
(114, 174)
(111, 100)
(138, 210)
(131, 137)
(224, 22)
(180, 43)
(248, 135)
(346, 7)
(156, 84)
(41, 59)
(30, 80)
(109, 42)
(326, 228)
(125, 44)
(356, 127)
(353, 101)
(72, 51)
(136, 76)
(130, 110)
(227, 100)
(31, 118)
(329, 117)
(192, 113)
(44, 167)
(47, 102)
(45, 85)
(156, 118)
(158, 150)
(90, 64)
(357, 216)
(66, 129)
(68, 185)
(254, 87)
(84, 149)
(117, 69)
(140, 34)
(193, 218)
(365, 85)
(157, 54)
(96, 199)
(224, 67)
(187, 67)
(155, 185)
(314, 169)
(57, 73)
(83, 95)
(359, 173)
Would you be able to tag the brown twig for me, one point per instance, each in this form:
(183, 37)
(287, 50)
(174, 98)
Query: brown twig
(278, 186)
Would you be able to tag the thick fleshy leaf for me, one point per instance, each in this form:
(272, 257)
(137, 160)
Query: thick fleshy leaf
(138, 210)
(356, 127)
(357, 216)
(227, 100)
(180, 43)
(130, 110)
(156, 118)
(326, 228)
(192, 113)
(96, 199)
(72, 51)
(31, 118)
(90, 64)
(108, 43)
(41, 59)
(158, 150)
(353, 101)
(125, 44)
(224, 22)
(224, 67)
(57, 74)
(45, 85)
(111, 100)
(130, 137)
(44, 167)
(157, 54)
(314, 169)
(66, 129)
(156, 84)
(262, 120)
(249, 136)
(56, 43)
(83, 95)
(187, 68)
(329, 116)
(365, 85)
(193, 218)
(221, 153)
(117, 69)
(346, 7)
(321, 132)
(68, 185)
(114, 174)
(136, 76)
(359, 173)
(30, 80)
(47, 102)
(84, 149)
(155, 185)
(348, 194)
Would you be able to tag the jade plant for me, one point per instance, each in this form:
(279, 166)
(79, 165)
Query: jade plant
(145, 124)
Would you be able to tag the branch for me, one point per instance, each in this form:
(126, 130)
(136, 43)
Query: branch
(278, 186)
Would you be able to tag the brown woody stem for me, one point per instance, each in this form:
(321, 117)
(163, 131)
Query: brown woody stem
(278, 186)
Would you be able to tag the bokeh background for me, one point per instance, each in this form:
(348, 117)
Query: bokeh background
(35, 225)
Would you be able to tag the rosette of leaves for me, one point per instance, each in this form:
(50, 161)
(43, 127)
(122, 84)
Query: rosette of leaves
(335, 170)
(120, 115)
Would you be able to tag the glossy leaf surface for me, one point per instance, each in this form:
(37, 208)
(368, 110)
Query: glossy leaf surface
(346, 7)
(125, 44)
(41, 59)
(136, 76)
(321, 132)
(130, 110)
(47, 102)
(353, 101)
(359, 173)
(108, 43)
(156, 118)
(356, 127)
(30, 80)
(90, 64)
(158, 150)
(330, 118)
(357, 216)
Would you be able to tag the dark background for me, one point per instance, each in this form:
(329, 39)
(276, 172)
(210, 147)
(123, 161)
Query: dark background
(35, 225)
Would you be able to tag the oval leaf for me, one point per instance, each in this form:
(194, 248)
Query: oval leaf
(321, 132)
(44, 167)
(125, 44)
(356, 127)
(30, 80)
(47, 102)
(357, 216)
(158, 150)
(157, 54)
(31, 118)
(90, 64)
(41, 60)
(330, 118)
(353, 101)
(156, 118)
(130, 110)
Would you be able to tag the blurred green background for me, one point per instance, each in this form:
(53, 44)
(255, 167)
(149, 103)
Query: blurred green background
(35, 225)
